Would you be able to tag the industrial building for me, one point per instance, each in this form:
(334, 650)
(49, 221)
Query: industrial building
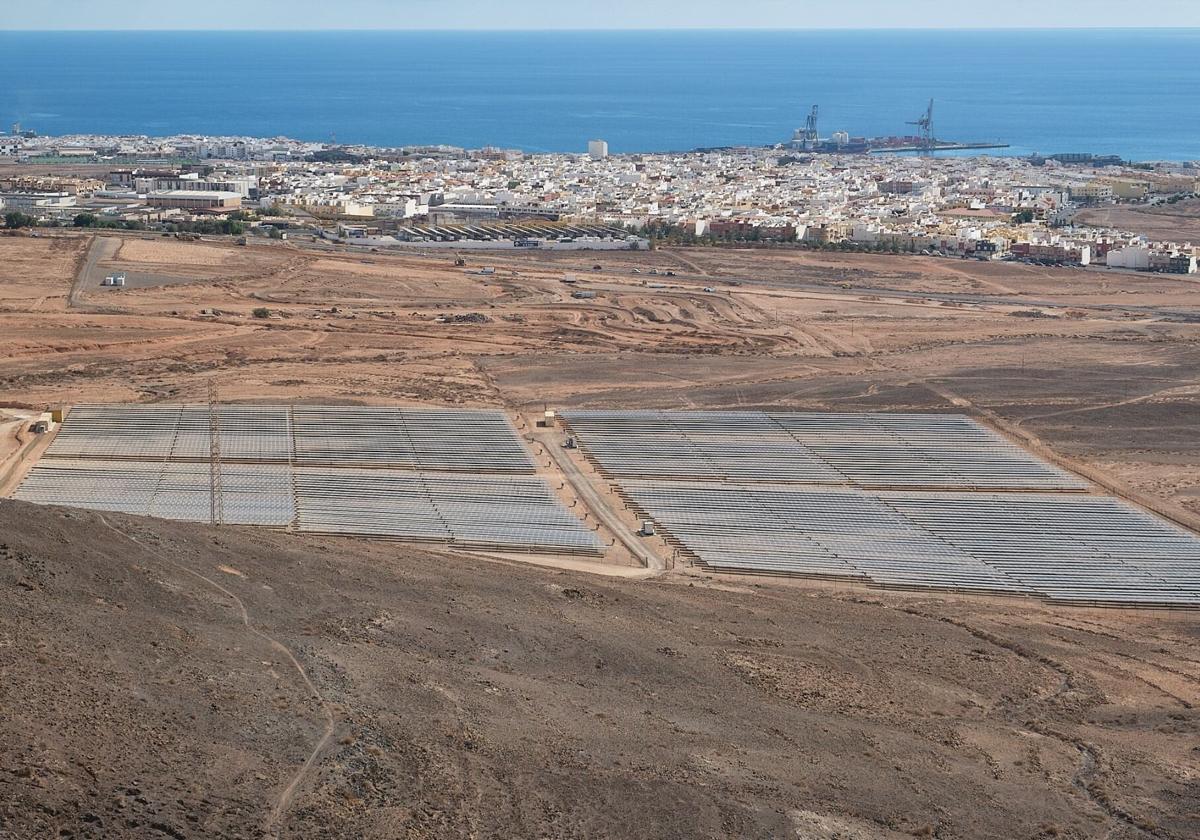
(194, 200)
(30, 202)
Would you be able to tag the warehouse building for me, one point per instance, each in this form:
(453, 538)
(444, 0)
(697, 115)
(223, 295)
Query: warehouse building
(195, 200)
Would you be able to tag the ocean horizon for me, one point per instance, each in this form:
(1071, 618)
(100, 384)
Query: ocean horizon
(1131, 93)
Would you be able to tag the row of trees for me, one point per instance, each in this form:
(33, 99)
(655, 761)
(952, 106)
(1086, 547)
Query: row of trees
(234, 225)
(14, 220)
(664, 233)
(231, 226)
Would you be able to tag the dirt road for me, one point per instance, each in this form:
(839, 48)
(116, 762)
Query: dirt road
(102, 248)
(598, 505)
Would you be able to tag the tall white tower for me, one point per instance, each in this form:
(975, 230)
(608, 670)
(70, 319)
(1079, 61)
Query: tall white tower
(597, 149)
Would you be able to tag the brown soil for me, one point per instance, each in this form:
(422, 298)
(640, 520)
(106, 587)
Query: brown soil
(1179, 222)
(168, 680)
(1106, 375)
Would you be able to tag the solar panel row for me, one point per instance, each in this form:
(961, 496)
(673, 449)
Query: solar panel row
(412, 438)
(902, 500)
(496, 512)
(378, 471)
(521, 512)
(864, 450)
(1066, 548)
(253, 494)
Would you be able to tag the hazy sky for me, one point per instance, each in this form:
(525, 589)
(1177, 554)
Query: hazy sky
(588, 14)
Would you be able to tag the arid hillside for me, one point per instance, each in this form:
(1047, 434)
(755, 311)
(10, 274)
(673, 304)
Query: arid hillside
(167, 680)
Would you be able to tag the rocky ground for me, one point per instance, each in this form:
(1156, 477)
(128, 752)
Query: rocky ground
(171, 680)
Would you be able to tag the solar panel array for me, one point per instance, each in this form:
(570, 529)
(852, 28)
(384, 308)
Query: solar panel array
(449, 475)
(253, 494)
(1067, 547)
(1075, 548)
(411, 438)
(415, 438)
(896, 500)
(862, 450)
(517, 511)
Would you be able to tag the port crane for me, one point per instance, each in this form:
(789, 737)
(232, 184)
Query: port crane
(924, 125)
(810, 127)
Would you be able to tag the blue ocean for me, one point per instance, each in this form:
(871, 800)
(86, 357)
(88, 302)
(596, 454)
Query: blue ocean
(1134, 93)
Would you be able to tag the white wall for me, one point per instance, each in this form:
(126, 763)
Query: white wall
(1135, 257)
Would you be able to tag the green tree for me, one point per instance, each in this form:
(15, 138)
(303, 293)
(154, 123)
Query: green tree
(86, 220)
(15, 219)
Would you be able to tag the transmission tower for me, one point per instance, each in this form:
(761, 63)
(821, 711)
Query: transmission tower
(216, 512)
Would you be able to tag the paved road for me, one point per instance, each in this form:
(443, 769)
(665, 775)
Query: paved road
(597, 504)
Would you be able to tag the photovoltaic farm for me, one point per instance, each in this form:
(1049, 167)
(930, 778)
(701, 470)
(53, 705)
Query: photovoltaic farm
(893, 500)
(445, 475)
(917, 501)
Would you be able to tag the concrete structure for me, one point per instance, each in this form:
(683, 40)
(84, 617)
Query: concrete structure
(597, 149)
(195, 199)
(1129, 190)
(1059, 254)
(1135, 257)
(33, 202)
(1172, 263)
(1096, 192)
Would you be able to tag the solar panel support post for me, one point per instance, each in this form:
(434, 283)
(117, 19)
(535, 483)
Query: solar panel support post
(215, 510)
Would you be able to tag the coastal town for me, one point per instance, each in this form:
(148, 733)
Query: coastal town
(1053, 210)
(616, 421)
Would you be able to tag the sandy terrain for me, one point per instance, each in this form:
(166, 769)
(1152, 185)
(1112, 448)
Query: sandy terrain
(176, 682)
(1099, 367)
(174, 253)
(1178, 222)
(36, 273)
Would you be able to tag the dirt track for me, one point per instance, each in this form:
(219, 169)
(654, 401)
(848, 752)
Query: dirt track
(1103, 368)
(476, 699)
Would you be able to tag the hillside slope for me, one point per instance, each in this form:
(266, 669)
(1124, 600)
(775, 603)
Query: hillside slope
(441, 696)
